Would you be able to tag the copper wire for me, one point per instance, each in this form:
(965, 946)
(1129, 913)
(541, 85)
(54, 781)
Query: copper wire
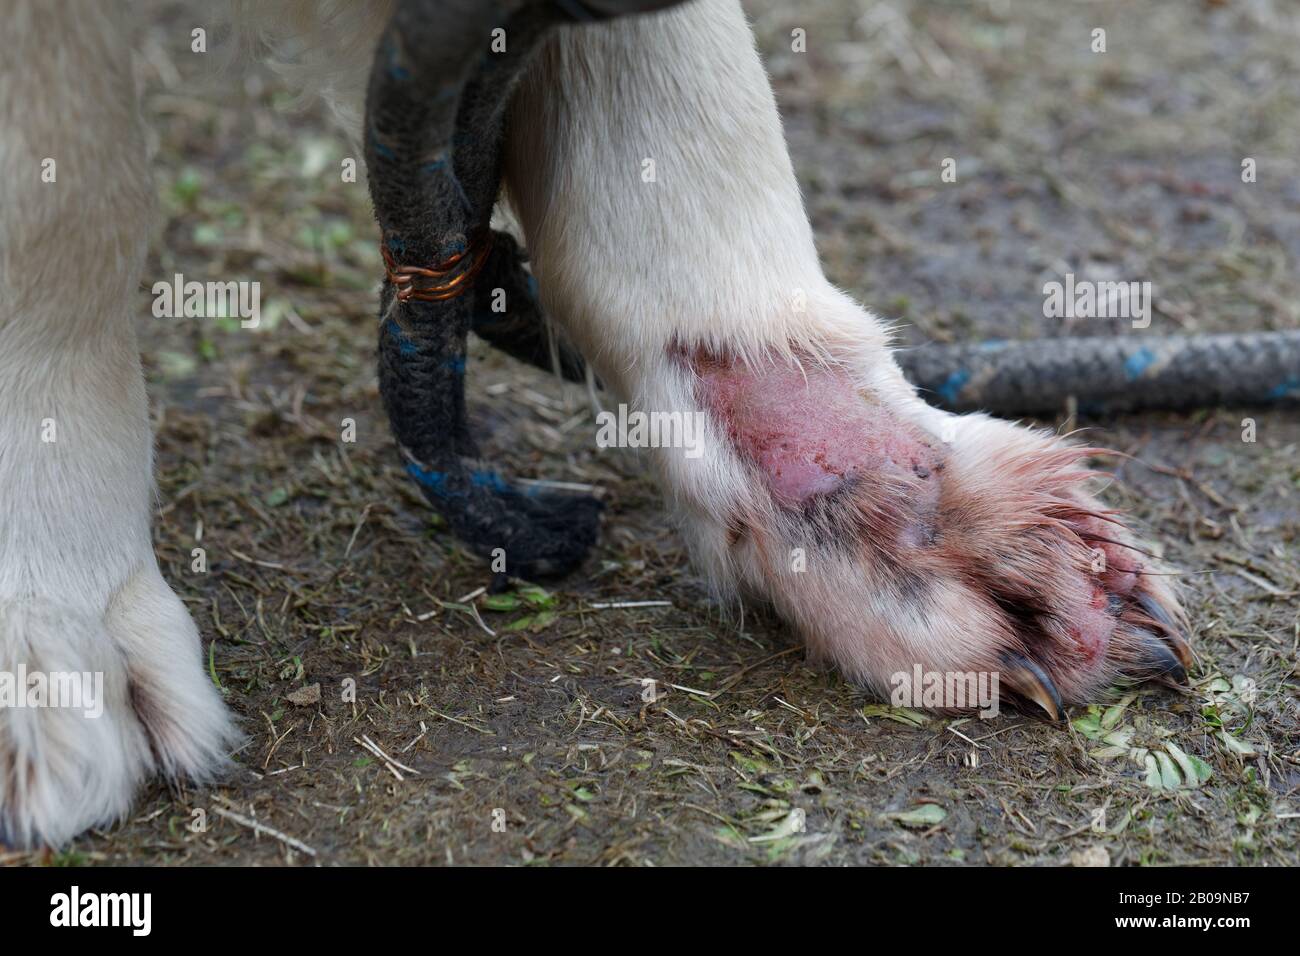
(462, 267)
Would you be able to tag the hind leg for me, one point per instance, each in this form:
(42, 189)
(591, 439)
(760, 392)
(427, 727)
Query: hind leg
(80, 590)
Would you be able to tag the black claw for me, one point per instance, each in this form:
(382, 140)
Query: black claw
(1031, 682)
(1160, 660)
(1172, 636)
(1156, 610)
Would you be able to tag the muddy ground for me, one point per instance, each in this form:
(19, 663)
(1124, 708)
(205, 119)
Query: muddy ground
(324, 564)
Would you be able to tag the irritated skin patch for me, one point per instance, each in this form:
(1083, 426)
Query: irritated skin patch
(947, 552)
(809, 431)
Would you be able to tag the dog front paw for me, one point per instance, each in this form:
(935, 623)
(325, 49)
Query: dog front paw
(892, 549)
(95, 702)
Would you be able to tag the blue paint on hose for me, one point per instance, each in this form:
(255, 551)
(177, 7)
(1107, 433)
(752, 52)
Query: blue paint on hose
(393, 63)
(437, 482)
(1137, 363)
(383, 151)
(434, 481)
(405, 346)
(490, 479)
(953, 385)
(1286, 388)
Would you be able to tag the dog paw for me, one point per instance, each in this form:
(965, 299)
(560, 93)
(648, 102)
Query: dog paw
(896, 537)
(98, 701)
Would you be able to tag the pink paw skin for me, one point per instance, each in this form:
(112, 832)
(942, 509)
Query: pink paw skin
(987, 553)
(809, 432)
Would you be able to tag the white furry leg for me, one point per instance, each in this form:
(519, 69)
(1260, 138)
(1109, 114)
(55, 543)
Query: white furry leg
(80, 591)
(648, 167)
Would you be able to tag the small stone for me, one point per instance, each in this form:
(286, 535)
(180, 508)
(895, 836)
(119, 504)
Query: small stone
(304, 696)
(1090, 856)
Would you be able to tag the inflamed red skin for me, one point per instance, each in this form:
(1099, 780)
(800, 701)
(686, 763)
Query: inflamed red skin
(984, 553)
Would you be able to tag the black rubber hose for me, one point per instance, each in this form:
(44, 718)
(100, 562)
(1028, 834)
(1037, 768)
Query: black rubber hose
(435, 114)
(435, 117)
(520, 330)
(1107, 375)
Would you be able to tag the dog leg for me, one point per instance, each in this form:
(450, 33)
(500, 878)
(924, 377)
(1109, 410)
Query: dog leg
(648, 167)
(80, 590)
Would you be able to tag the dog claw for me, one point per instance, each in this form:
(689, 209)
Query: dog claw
(1162, 659)
(1172, 635)
(1032, 683)
(1182, 650)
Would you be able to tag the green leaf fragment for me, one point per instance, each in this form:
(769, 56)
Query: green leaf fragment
(1108, 753)
(903, 715)
(501, 602)
(1119, 738)
(537, 597)
(1113, 714)
(544, 620)
(926, 815)
(1195, 770)
(1236, 745)
(749, 764)
(791, 823)
(1169, 778)
(1089, 724)
(1153, 773)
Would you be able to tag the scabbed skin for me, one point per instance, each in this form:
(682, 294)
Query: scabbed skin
(809, 432)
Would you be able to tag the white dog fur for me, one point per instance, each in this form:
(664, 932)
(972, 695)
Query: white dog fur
(80, 588)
